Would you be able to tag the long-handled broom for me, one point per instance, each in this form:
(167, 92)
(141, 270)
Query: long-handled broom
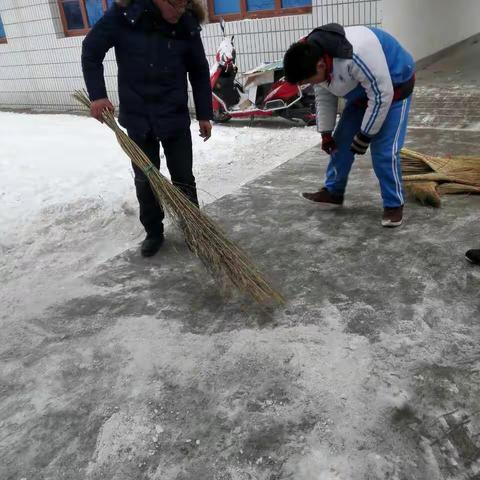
(223, 259)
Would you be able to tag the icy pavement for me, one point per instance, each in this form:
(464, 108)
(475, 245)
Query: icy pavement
(115, 367)
(68, 198)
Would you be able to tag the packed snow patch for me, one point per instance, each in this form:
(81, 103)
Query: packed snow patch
(52, 160)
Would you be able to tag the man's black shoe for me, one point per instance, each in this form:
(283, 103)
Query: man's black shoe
(151, 245)
(473, 256)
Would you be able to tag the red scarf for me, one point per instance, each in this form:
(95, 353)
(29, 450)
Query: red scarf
(329, 66)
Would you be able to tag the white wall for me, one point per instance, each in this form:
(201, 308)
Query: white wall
(427, 26)
(40, 68)
(267, 39)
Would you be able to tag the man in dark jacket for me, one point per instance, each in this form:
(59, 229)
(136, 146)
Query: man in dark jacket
(157, 43)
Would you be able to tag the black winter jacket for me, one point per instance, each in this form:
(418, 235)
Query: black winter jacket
(153, 60)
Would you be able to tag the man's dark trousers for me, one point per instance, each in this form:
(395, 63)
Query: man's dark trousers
(178, 152)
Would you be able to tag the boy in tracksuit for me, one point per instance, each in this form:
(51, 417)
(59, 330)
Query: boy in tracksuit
(376, 76)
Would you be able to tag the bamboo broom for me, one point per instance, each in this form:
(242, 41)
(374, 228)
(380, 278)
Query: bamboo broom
(228, 264)
(432, 176)
(456, 169)
(424, 192)
(456, 188)
(427, 177)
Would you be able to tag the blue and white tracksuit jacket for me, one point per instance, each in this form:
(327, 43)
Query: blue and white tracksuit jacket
(378, 64)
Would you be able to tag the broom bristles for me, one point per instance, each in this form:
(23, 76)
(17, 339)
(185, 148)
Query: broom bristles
(427, 177)
(222, 258)
(456, 188)
(431, 176)
(457, 169)
(424, 192)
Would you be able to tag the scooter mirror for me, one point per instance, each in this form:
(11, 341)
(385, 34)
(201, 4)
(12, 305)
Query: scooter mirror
(222, 26)
(233, 36)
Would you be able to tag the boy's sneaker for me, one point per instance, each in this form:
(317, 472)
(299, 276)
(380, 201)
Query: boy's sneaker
(392, 217)
(473, 256)
(324, 196)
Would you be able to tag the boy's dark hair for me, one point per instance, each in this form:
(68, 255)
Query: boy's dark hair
(300, 61)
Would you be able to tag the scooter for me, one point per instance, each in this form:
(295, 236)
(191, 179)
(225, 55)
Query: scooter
(264, 92)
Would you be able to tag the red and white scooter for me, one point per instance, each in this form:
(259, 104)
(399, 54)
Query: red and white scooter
(264, 93)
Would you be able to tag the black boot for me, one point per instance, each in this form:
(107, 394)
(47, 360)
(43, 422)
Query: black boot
(473, 256)
(151, 245)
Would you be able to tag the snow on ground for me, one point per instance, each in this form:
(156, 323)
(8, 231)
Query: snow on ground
(109, 370)
(52, 160)
(370, 372)
(68, 197)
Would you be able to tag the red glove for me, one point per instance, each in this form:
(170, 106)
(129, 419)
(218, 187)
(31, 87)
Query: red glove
(328, 143)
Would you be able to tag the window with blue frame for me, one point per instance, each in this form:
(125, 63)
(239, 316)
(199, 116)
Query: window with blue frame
(235, 9)
(3, 36)
(78, 16)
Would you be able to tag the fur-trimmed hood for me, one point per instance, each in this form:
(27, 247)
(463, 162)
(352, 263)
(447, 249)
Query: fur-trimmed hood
(194, 6)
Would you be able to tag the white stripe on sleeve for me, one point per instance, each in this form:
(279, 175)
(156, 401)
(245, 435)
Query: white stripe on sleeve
(370, 68)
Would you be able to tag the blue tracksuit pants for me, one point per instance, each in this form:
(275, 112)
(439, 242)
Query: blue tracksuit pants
(384, 148)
